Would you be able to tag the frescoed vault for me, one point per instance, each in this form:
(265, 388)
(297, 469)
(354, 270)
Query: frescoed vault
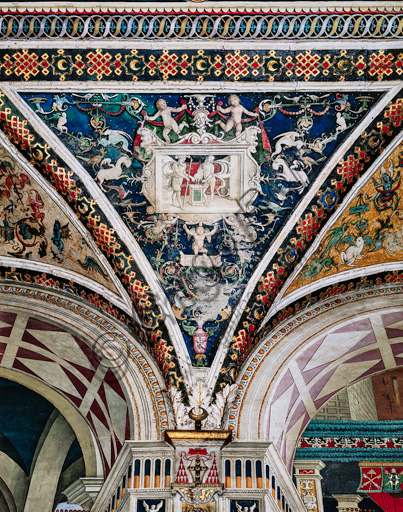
(367, 232)
(169, 172)
(203, 222)
(219, 191)
(35, 228)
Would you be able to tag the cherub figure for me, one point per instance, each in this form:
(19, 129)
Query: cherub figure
(236, 110)
(199, 235)
(164, 221)
(152, 508)
(245, 509)
(165, 113)
(175, 179)
(205, 174)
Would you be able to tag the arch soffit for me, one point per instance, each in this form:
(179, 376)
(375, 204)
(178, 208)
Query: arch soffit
(136, 370)
(88, 444)
(290, 345)
(13, 483)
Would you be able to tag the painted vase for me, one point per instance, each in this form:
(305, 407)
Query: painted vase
(200, 338)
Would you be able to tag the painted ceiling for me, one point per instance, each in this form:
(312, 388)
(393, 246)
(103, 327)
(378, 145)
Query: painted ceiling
(195, 193)
(366, 232)
(204, 182)
(35, 228)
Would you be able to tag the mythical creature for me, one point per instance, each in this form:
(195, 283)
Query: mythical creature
(112, 172)
(386, 196)
(115, 137)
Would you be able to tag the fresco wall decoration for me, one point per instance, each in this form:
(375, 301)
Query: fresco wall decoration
(368, 233)
(203, 181)
(147, 326)
(353, 164)
(167, 172)
(34, 227)
(202, 222)
(24, 136)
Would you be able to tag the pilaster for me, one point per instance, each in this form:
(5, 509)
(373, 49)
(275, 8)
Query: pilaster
(307, 475)
(347, 502)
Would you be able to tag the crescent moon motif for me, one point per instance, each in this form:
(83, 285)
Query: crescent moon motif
(133, 66)
(60, 64)
(343, 65)
(272, 65)
(199, 65)
(38, 155)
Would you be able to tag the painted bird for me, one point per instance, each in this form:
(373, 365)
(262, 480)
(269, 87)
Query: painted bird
(95, 160)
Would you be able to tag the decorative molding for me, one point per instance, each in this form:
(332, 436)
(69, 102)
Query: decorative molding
(313, 64)
(354, 429)
(236, 24)
(348, 502)
(351, 441)
(35, 274)
(226, 23)
(224, 6)
(349, 455)
(87, 287)
(200, 399)
(307, 475)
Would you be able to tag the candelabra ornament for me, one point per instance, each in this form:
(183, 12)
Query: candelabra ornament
(198, 415)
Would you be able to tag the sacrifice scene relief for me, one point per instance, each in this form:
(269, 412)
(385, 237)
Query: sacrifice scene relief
(33, 227)
(203, 181)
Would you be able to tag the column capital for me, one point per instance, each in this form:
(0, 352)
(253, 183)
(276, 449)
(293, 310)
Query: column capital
(308, 467)
(347, 502)
(84, 491)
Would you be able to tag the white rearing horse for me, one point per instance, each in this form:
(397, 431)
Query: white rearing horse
(113, 172)
(290, 173)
